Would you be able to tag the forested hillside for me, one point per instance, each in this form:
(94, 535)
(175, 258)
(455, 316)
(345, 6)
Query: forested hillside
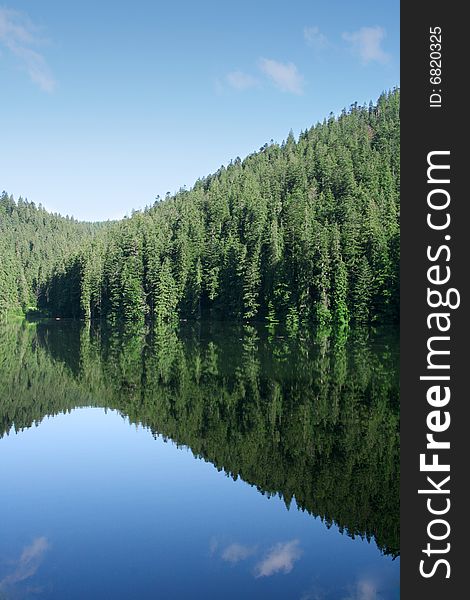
(305, 231)
(34, 246)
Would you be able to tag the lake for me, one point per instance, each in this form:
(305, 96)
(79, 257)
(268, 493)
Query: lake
(216, 461)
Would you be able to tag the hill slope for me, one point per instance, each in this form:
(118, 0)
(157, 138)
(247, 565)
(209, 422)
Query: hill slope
(34, 246)
(303, 231)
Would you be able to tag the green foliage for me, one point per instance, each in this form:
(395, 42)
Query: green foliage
(303, 232)
(38, 268)
(314, 422)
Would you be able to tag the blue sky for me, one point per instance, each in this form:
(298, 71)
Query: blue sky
(105, 105)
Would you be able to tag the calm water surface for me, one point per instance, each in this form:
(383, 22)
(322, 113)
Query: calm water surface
(216, 462)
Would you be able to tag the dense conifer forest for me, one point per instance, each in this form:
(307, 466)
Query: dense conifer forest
(305, 231)
(35, 246)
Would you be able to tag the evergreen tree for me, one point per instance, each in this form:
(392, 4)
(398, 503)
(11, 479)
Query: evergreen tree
(302, 232)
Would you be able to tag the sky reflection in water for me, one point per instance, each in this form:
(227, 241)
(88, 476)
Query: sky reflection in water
(93, 505)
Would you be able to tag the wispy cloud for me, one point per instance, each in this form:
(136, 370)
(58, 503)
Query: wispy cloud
(315, 38)
(237, 552)
(364, 589)
(285, 76)
(19, 35)
(367, 44)
(241, 81)
(28, 563)
(280, 558)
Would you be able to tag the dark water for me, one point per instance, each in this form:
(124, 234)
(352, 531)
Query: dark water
(219, 462)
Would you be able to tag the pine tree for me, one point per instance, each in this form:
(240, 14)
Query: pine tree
(302, 232)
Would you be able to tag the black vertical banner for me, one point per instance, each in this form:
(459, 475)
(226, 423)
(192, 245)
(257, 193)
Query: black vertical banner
(435, 268)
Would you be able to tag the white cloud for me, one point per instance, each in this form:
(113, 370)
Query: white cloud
(315, 38)
(18, 34)
(364, 590)
(237, 552)
(367, 44)
(28, 563)
(281, 557)
(284, 75)
(241, 81)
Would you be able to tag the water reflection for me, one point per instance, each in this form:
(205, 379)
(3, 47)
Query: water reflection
(313, 421)
(236, 552)
(25, 566)
(279, 559)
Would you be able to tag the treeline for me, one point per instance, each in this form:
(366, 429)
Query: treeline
(315, 423)
(35, 246)
(32, 386)
(305, 231)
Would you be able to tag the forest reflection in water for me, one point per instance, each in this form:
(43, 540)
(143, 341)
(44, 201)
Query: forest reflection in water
(317, 422)
(310, 420)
